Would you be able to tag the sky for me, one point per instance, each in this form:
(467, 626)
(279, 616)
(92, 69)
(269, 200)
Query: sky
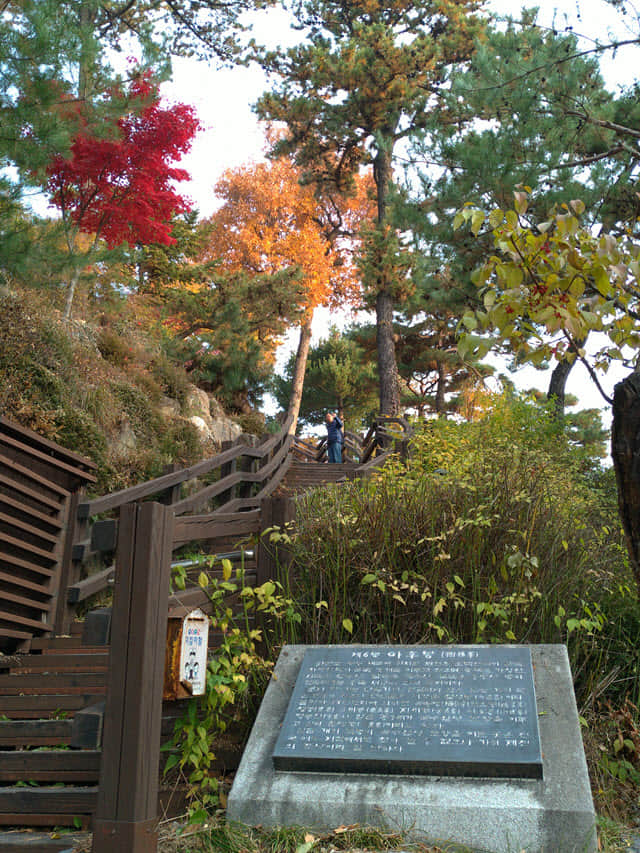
(232, 136)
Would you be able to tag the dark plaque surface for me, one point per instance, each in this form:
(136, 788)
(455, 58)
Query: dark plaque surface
(431, 710)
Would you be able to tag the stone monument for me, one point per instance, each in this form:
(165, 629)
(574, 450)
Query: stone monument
(475, 745)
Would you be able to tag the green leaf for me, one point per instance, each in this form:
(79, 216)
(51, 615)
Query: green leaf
(226, 569)
(496, 217)
(198, 816)
(203, 580)
(476, 222)
(171, 762)
(470, 321)
(347, 624)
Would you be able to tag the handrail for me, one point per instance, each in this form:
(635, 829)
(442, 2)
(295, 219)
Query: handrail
(167, 481)
(244, 483)
(265, 467)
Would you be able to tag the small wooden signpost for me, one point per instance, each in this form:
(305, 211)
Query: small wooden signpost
(186, 656)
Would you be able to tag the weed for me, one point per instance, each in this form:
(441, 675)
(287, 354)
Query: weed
(236, 673)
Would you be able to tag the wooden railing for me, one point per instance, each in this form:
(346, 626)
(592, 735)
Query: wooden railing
(387, 434)
(142, 527)
(226, 503)
(241, 476)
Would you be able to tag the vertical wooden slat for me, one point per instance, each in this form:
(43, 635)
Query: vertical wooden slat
(67, 573)
(126, 813)
(225, 470)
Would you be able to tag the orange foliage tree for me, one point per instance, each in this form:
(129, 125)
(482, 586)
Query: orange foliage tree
(270, 222)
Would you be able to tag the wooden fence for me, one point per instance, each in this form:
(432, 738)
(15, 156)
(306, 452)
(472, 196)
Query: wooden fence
(40, 486)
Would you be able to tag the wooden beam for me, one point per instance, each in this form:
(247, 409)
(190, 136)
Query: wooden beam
(127, 808)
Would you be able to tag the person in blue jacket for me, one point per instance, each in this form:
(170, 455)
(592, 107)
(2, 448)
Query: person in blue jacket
(335, 437)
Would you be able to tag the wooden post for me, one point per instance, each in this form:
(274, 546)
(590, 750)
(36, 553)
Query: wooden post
(127, 809)
(273, 559)
(225, 470)
(173, 493)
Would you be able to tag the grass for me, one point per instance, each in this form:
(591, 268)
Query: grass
(222, 837)
(225, 837)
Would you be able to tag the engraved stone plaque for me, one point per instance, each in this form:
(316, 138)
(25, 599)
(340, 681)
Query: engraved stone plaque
(430, 710)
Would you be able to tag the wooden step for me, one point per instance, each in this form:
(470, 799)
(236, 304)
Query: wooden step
(76, 467)
(53, 765)
(13, 507)
(55, 663)
(10, 523)
(15, 580)
(47, 504)
(20, 733)
(51, 490)
(63, 645)
(50, 705)
(56, 684)
(37, 604)
(52, 806)
(18, 622)
(30, 551)
(72, 800)
(28, 841)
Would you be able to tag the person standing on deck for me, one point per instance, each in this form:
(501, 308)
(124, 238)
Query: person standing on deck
(335, 437)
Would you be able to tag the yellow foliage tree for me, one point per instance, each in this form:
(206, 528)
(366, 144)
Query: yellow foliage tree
(270, 222)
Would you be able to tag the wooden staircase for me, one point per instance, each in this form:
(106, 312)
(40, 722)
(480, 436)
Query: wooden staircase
(50, 743)
(50, 699)
(302, 476)
(44, 780)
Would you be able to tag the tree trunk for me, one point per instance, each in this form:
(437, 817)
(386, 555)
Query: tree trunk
(70, 294)
(387, 363)
(558, 381)
(299, 371)
(625, 452)
(387, 366)
(440, 401)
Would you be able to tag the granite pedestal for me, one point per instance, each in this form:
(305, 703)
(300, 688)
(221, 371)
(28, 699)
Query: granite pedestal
(552, 814)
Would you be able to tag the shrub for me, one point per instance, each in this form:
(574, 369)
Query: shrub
(489, 532)
(114, 348)
(172, 379)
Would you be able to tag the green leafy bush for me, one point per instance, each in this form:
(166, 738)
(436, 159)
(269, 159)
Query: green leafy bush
(489, 532)
(237, 673)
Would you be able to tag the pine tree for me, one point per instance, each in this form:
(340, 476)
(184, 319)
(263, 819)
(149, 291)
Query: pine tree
(522, 83)
(367, 76)
(340, 376)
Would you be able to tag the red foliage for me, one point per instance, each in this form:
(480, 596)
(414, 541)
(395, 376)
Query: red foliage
(120, 187)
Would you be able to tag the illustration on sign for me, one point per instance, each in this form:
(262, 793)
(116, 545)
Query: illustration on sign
(193, 654)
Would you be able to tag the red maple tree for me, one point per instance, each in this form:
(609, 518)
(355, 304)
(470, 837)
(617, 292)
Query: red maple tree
(119, 186)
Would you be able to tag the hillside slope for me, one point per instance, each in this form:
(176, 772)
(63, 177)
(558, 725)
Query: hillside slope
(103, 389)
